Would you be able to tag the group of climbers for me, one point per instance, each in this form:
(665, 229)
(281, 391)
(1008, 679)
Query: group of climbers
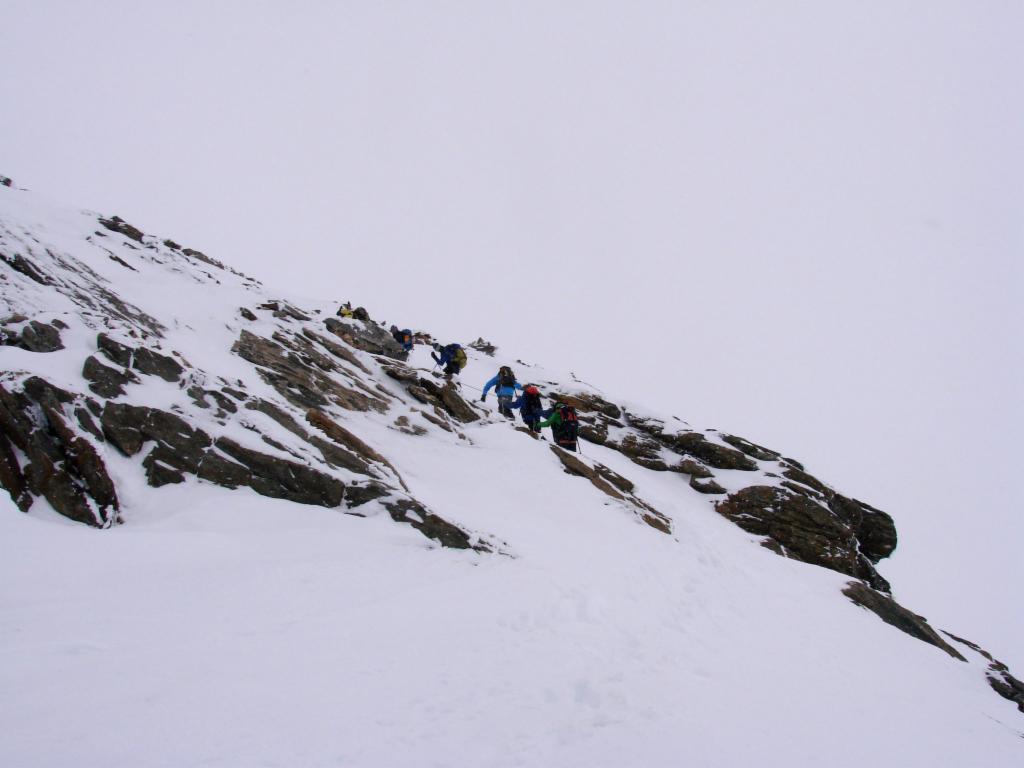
(561, 417)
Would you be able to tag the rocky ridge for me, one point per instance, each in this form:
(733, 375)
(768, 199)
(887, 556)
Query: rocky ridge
(284, 404)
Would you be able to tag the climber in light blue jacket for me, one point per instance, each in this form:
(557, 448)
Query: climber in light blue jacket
(506, 384)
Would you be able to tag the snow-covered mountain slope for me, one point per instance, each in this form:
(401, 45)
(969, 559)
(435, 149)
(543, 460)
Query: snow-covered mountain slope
(312, 551)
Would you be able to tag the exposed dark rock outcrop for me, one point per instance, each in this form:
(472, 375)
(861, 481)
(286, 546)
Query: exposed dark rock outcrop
(430, 525)
(288, 312)
(61, 465)
(129, 427)
(181, 448)
(574, 466)
(802, 529)
(998, 674)
(707, 486)
(751, 449)
(279, 478)
(874, 529)
(401, 373)
(334, 454)
(802, 477)
(594, 429)
(221, 402)
(366, 336)
(106, 381)
(405, 426)
(25, 267)
(1006, 685)
(444, 397)
(359, 493)
(192, 253)
(648, 437)
(891, 612)
(340, 351)
(458, 408)
(613, 485)
(586, 402)
(114, 351)
(693, 468)
(714, 455)
(298, 373)
(343, 437)
(151, 363)
(34, 336)
(483, 346)
(144, 360)
(622, 483)
(119, 225)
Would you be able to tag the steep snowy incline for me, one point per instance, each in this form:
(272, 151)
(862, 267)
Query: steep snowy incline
(314, 552)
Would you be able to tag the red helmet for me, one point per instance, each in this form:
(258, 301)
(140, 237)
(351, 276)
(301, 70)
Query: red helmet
(531, 390)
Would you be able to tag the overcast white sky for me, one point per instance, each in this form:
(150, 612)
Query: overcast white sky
(799, 221)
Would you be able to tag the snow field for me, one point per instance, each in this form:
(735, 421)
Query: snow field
(223, 628)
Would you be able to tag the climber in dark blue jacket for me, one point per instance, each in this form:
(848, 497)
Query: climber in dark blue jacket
(452, 359)
(403, 337)
(506, 384)
(529, 407)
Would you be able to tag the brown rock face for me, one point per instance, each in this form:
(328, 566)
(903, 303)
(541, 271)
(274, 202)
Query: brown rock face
(180, 448)
(705, 486)
(122, 227)
(891, 612)
(35, 336)
(342, 436)
(458, 408)
(430, 525)
(693, 468)
(614, 486)
(585, 402)
(714, 455)
(483, 346)
(129, 427)
(998, 674)
(23, 266)
(874, 529)
(574, 466)
(594, 430)
(106, 381)
(367, 336)
(751, 449)
(641, 450)
(280, 479)
(297, 371)
(803, 529)
(357, 494)
(445, 398)
(61, 466)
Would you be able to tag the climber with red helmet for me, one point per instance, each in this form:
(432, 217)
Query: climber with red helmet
(529, 407)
